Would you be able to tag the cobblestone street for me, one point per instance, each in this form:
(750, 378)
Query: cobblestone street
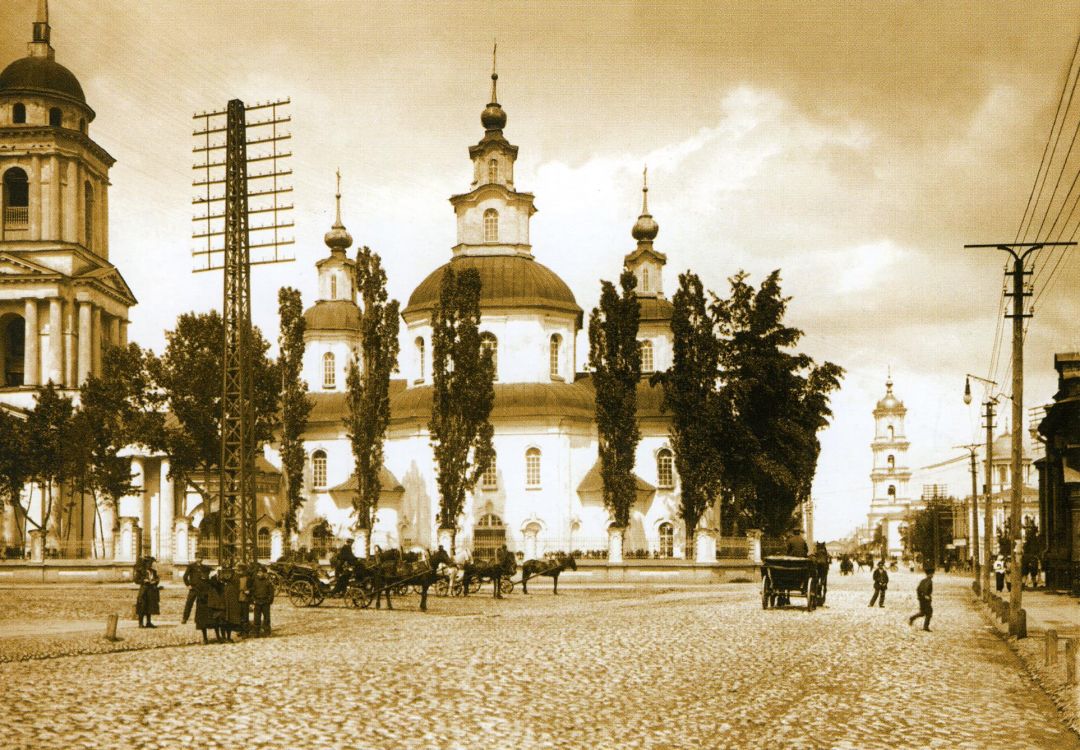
(699, 667)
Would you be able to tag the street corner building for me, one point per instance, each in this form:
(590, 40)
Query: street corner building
(61, 301)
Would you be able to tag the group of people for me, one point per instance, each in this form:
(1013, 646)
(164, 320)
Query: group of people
(1029, 571)
(225, 600)
(924, 592)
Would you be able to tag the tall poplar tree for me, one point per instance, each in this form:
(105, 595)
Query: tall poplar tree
(689, 395)
(295, 405)
(50, 455)
(464, 394)
(368, 394)
(615, 357)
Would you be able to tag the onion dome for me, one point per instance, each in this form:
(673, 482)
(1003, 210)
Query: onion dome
(890, 401)
(645, 228)
(338, 238)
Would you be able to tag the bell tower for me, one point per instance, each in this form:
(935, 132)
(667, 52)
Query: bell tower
(61, 300)
(890, 473)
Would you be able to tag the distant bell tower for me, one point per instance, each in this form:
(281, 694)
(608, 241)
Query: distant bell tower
(61, 300)
(654, 310)
(890, 473)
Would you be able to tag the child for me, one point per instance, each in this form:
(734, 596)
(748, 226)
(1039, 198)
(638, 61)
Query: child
(881, 583)
(925, 592)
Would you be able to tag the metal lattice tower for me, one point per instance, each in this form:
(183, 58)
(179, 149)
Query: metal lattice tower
(227, 234)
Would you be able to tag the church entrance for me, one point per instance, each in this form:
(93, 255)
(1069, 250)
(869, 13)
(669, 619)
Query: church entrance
(489, 534)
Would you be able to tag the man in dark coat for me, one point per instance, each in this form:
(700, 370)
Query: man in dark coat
(148, 601)
(925, 593)
(195, 573)
(881, 583)
(262, 595)
(796, 545)
(344, 561)
(230, 595)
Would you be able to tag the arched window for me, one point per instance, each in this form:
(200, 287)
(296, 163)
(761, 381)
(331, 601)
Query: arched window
(488, 343)
(644, 278)
(488, 535)
(493, 170)
(891, 460)
(262, 550)
(18, 113)
(553, 354)
(491, 225)
(82, 125)
(489, 480)
(56, 117)
(646, 356)
(892, 492)
(16, 199)
(333, 286)
(532, 467)
(88, 214)
(892, 432)
(667, 539)
(329, 372)
(665, 476)
(318, 469)
(420, 358)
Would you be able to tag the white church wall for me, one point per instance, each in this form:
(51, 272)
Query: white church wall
(341, 345)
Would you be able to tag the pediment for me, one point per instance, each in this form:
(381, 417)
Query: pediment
(14, 265)
(111, 279)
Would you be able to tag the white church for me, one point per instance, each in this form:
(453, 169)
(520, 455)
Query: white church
(61, 301)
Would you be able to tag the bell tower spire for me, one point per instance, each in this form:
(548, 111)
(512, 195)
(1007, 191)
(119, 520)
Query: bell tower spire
(40, 46)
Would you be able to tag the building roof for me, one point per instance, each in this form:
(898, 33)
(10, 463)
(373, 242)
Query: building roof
(331, 406)
(387, 481)
(594, 482)
(505, 281)
(332, 315)
(41, 75)
(654, 309)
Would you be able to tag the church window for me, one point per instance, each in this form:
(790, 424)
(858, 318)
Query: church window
(665, 477)
(553, 354)
(329, 371)
(488, 343)
(892, 462)
(333, 286)
(420, 359)
(644, 278)
(18, 113)
(318, 469)
(892, 432)
(493, 170)
(532, 468)
(491, 225)
(262, 550)
(892, 492)
(645, 347)
(667, 539)
(16, 199)
(55, 117)
(88, 214)
(490, 478)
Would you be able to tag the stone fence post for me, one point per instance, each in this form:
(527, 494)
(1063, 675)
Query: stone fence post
(705, 545)
(615, 544)
(753, 545)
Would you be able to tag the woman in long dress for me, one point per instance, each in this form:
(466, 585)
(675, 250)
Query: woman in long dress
(148, 602)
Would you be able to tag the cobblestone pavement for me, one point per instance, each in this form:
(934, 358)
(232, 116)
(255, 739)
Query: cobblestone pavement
(699, 668)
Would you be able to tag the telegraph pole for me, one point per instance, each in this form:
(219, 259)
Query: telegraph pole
(1019, 253)
(988, 505)
(974, 535)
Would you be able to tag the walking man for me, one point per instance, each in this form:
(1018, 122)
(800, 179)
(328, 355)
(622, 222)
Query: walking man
(881, 582)
(925, 593)
(262, 593)
(999, 572)
(194, 574)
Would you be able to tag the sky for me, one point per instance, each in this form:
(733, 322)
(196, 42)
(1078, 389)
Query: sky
(855, 146)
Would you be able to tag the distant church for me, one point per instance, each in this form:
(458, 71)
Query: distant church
(890, 475)
(61, 301)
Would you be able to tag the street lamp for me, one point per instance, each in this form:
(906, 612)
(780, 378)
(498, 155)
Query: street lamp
(988, 519)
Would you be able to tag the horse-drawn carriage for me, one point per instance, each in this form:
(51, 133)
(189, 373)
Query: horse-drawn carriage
(306, 588)
(783, 576)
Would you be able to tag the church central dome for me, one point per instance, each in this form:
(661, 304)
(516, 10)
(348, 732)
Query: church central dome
(40, 75)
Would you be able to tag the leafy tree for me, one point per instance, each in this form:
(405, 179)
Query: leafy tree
(369, 389)
(770, 407)
(689, 394)
(50, 455)
(191, 373)
(928, 529)
(295, 405)
(616, 361)
(13, 459)
(464, 394)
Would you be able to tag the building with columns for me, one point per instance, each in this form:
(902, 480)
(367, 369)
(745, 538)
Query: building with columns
(890, 474)
(61, 300)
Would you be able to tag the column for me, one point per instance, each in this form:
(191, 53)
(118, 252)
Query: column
(101, 247)
(114, 331)
(8, 529)
(70, 368)
(35, 198)
(55, 371)
(31, 356)
(128, 548)
(70, 208)
(85, 349)
(95, 341)
(37, 545)
(615, 544)
(123, 333)
(54, 199)
(167, 513)
(181, 534)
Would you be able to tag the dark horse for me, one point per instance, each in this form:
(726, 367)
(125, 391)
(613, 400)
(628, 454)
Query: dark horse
(503, 566)
(822, 560)
(386, 574)
(550, 568)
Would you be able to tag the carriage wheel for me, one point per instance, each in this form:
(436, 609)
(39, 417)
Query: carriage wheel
(811, 596)
(358, 597)
(442, 587)
(506, 586)
(458, 590)
(474, 586)
(277, 581)
(317, 596)
(301, 593)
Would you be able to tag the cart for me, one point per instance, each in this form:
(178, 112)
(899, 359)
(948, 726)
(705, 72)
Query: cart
(783, 577)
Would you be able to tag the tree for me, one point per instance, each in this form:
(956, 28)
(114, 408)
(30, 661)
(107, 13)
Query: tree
(13, 460)
(615, 357)
(369, 389)
(927, 529)
(191, 374)
(50, 453)
(464, 394)
(770, 407)
(689, 394)
(295, 405)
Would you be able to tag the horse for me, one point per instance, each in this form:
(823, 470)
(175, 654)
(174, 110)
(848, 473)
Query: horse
(495, 571)
(422, 572)
(864, 561)
(551, 568)
(846, 566)
(822, 560)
